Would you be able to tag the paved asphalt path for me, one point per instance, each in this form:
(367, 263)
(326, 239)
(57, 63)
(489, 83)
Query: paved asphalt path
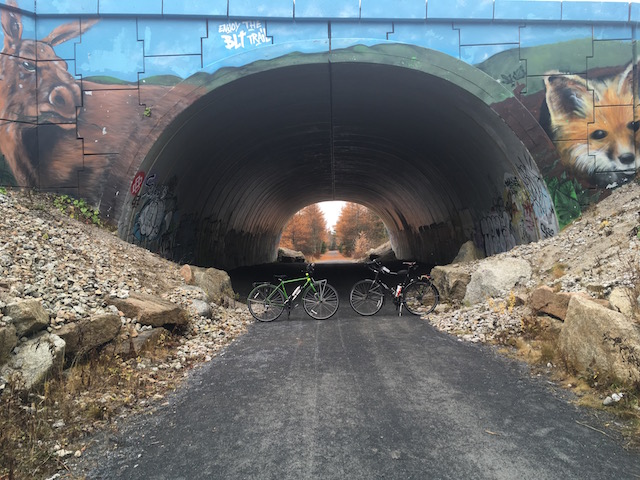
(363, 398)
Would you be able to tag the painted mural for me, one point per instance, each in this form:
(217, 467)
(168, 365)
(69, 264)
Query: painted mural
(79, 96)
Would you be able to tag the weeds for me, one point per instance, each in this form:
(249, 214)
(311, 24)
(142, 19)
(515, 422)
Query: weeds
(502, 307)
(38, 430)
(558, 270)
(78, 209)
(538, 346)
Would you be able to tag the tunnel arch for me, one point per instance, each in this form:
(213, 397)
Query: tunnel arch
(432, 145)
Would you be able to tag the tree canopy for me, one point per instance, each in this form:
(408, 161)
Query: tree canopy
(359, 229)
(306, 232)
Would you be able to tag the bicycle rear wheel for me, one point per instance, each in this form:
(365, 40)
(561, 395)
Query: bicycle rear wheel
(265, 302)
(322, 302)
(366, 297)
(420, 297)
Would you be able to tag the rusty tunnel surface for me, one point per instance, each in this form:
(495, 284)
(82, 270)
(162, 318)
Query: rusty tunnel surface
(426, 155)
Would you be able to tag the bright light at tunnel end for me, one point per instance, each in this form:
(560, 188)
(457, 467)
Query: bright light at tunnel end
(331, 212)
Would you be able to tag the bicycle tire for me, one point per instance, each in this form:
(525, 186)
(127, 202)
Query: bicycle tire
(366, 297)
(421, 298)
(321, 303)
(265, 302)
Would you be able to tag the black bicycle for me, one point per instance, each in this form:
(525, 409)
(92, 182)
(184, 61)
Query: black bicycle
(419, 295)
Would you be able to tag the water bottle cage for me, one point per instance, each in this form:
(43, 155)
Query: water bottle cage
(296, 292)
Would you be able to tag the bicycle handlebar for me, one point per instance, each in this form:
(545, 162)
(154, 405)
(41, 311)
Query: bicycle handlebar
(376, 266)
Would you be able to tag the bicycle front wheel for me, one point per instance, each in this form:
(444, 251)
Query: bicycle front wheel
(265, 302)
(322, 302)
(366, 297)
(420, 297)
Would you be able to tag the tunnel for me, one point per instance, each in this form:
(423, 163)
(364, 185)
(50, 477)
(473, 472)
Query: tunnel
(426, 155)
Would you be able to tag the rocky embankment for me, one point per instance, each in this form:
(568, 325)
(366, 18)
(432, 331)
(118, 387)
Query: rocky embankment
(71, 287)
(580, 284)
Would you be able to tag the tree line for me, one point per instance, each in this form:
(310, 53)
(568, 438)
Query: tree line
(357, 230)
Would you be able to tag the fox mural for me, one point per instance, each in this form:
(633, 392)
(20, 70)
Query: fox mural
(593, 126)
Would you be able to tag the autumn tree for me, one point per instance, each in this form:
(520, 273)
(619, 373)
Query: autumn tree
(306, 231)
(359, 228)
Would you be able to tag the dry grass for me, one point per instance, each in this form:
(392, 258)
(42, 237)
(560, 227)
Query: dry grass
(632, 290)
(84, 398)
(558, 270)
(538, 346)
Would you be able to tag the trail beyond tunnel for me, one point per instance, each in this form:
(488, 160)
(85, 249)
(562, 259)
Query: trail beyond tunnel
(432, 159)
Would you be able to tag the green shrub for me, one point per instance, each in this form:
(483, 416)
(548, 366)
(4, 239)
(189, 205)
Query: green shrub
(77, 208)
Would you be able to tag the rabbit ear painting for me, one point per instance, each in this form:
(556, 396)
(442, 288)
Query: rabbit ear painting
(593, 126)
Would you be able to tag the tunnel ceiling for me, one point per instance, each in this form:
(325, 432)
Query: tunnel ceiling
(416, 149)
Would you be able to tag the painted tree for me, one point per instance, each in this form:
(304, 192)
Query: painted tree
(306, 231)
(358, 222)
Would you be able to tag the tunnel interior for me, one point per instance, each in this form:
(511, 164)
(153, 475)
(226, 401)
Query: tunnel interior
(424, 154)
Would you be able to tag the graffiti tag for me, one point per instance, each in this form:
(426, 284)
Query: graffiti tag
(241, 34)
(540, 198)
(496, 232)
(154, 218)
(137, 182)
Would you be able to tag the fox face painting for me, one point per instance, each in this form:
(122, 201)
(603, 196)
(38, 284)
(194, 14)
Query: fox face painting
(593, 126)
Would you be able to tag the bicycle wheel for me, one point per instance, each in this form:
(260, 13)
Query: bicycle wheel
(321, 303)
(420, 297)
(366, 297)
(265, 302)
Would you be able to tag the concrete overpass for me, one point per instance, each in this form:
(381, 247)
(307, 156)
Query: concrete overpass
(201, 127)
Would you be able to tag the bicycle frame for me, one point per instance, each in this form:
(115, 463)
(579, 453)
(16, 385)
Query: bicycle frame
(288, 299)
(403, 283)
(397, 293)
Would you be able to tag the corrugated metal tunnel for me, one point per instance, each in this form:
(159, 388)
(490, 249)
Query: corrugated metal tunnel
(427, 156)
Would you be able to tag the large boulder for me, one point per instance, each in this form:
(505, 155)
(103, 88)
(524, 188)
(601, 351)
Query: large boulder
(595, 339)
(544, 300)
(468, 252)
(8, 340)
(86, 335)
(621, 300)
(286, 255)
(495, 277)
(29, 316)
(34, 360)
(200, 308)
(150, 310)
(383, 252)
(215, 283)
(451, 282)
(128, 345)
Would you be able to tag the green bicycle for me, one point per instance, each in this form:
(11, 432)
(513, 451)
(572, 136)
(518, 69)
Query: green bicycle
(267, 301)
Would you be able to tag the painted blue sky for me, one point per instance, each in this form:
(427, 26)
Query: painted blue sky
(130, 48)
